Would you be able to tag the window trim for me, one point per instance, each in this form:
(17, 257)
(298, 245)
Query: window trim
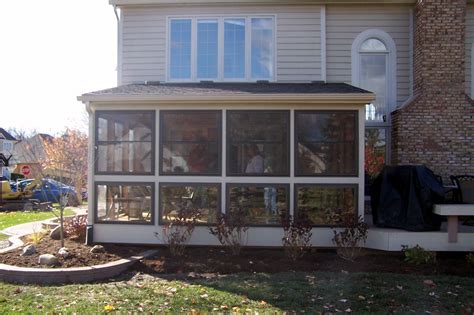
(356, 143)
(288, 142)
(124, 183)
(219, 141)
(161, 222)
(220, 47)
(152, 141)
(391, 66)
(356, 200)
(286, 186)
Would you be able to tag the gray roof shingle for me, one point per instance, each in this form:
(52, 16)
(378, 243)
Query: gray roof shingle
(220, 89)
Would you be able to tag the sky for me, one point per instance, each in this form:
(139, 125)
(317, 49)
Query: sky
(52, 51)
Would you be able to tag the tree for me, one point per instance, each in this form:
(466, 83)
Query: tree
(68, 153)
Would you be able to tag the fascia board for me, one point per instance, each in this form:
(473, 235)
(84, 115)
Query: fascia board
(347, 98)
(253, 2)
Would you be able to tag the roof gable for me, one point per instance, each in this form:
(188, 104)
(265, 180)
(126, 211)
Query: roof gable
(6, 135)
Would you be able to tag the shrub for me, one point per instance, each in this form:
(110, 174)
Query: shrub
(349, 241)
(418, 255)
(36, 236)
(178, 231)
(470, 259)
(76, 228)
(230, 230)
(296, 236)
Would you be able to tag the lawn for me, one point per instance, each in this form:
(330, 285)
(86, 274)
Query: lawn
(12, 218)
(320, 292)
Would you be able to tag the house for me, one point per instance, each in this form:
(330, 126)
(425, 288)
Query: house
(6, 142)
(31, 152)
(6, 147)
(266, 106)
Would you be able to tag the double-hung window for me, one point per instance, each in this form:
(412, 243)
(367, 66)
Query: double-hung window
(238, 48)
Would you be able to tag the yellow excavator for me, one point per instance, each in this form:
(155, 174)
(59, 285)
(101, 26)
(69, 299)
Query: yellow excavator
(7, 193)
(11, 199)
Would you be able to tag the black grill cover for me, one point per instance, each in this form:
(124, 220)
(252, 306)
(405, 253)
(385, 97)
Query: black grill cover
(403, 196)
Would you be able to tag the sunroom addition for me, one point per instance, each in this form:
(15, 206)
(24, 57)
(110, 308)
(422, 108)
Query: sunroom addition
(266, 149)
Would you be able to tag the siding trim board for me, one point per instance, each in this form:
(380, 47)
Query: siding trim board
(323, 43)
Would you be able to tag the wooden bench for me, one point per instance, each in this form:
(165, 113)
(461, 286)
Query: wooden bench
(453, 211)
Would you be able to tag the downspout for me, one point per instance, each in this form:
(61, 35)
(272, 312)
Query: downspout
(119, 46)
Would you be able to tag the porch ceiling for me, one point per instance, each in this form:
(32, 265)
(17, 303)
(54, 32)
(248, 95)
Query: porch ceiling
(232, 92)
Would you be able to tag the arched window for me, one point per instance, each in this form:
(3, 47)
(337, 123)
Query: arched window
(374, 69)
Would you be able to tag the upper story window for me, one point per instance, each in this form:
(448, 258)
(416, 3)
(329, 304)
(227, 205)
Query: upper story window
(221, 48)
(374, 69)
(7, 146)
(180, 49)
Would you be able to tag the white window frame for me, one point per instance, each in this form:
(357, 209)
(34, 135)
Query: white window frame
(220, 47)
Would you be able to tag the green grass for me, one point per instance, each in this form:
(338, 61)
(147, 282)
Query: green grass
(249, 293)
(3, 237)
(12, 218)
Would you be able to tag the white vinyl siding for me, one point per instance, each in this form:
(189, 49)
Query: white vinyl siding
(344, 23)
(298, 50)
(469, 43)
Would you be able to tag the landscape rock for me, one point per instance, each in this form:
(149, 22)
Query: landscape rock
(97, 249)
(28, 250)
(63, 252)
(48, 260)
(55, 233)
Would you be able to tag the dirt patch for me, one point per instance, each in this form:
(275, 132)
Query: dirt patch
(214, 260)
(80, 255)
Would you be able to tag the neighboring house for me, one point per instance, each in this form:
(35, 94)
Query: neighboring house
(6, 142)
(261, 106)
(6, 148)
(31, 151)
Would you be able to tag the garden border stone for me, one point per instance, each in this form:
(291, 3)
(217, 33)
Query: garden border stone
(14, 274)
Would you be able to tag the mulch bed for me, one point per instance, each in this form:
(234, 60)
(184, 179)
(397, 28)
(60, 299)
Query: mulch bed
(202, 260)
(80, 255)
(214, 260)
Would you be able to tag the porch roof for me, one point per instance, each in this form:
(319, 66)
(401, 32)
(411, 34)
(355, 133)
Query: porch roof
(155, 91)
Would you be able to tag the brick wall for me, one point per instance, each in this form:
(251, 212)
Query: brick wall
(437, 127)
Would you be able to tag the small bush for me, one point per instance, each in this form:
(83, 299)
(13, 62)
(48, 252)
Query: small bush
(296, 236)
(230, 231)
(178, 231)
(470, 259)
(76, 228)
(418, 255)
(349, 241)
(36, 236)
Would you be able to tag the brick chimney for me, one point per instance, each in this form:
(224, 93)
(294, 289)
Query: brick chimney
(437, 127)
